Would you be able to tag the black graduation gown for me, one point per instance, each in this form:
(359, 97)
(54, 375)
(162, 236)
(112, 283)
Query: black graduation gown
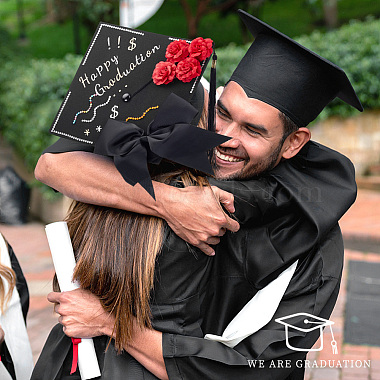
(296, 209)
(291, 213)
(23, 292)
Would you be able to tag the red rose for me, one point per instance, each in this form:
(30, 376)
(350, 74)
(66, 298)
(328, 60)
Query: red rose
(164, 72)
(188, 69)
(177, 51)
(200, 48)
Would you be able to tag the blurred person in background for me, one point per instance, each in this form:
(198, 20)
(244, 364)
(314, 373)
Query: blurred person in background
(15, 352)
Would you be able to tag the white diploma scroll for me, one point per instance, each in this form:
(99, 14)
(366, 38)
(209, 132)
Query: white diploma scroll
(64, 263)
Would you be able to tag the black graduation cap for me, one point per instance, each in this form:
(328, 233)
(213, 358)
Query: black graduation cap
(279, 71)
(127, 84)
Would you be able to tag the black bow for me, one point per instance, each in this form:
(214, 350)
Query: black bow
(170, 136)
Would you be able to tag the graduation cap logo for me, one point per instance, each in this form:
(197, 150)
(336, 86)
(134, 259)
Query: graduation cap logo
(306, 323)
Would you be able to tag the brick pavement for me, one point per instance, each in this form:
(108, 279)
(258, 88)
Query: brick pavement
(362, 220)
(357, 356)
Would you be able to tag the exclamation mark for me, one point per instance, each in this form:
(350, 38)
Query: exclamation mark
(118, 42)
(109, 43)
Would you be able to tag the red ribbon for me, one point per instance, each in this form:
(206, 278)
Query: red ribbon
(74, 364)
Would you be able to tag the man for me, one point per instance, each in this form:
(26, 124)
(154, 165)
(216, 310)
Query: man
(265, 109)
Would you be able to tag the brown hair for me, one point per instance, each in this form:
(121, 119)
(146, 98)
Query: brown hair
(6, 274)
(116, 252)
(289, 125)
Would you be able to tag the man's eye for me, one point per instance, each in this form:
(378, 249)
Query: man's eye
(221, 113)
(252, 131)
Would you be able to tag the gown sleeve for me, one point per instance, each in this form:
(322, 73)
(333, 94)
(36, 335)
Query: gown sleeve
(302, 197)
(319, 181)
(63, 145)
(313, 289)
(291, 214)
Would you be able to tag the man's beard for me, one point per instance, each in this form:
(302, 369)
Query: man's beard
(252, 171)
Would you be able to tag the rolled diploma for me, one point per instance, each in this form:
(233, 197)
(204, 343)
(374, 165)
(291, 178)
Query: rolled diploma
(64, 263)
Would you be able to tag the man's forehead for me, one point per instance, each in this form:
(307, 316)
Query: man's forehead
(234, 98)
(236, 89)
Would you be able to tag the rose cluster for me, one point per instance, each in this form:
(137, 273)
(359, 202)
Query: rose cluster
(183, 61)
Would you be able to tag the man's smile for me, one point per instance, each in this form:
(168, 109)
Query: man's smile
(226, 157)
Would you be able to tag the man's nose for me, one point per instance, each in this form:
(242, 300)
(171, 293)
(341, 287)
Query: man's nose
(230, 130)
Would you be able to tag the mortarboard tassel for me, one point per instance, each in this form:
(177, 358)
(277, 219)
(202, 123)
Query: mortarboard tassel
(212, 93)
(74, 363)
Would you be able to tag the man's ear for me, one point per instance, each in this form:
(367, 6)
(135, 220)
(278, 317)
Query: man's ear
(295, 141)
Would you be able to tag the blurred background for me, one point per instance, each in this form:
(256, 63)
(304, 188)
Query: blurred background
(43, 41)
(41, 45)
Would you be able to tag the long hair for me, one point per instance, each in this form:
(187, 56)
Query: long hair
(9, 276)
(116, 253)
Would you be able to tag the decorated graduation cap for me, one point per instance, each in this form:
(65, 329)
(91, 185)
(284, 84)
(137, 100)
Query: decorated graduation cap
(307, 323)
(130, 100)
(279, 71)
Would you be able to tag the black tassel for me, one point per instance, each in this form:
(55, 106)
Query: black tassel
(212, 94)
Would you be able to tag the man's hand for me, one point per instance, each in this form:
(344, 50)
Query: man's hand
(81, 314)
(195, 214)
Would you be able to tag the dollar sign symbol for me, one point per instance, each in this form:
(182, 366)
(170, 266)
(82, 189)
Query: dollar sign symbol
(114, 112)
(133, 45)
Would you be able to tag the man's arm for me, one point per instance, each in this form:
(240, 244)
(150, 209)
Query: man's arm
(193, 213)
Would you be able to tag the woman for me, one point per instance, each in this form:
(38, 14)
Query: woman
(143, 247)
(142, 271)
(15, 352)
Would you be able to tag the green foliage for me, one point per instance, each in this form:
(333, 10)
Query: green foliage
(55, 40)
(7, 50)
(32, 91)
(93, 11)
(228, 58)
(354, 47)
(46, 39)
(31, 10)
(30, 96)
